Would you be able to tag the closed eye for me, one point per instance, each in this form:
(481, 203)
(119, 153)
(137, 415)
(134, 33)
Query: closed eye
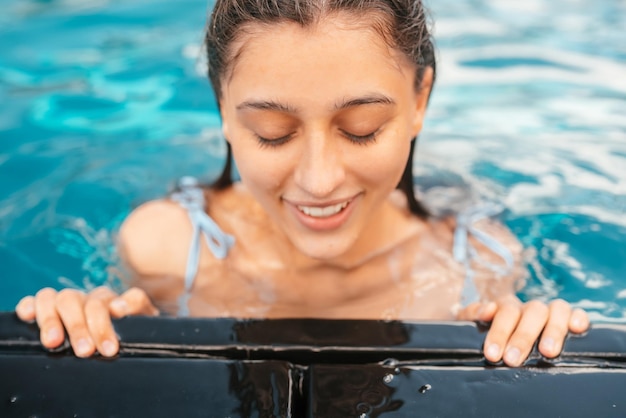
(360, 139)
(273, 142)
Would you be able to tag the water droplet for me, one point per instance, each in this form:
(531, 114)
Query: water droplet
(13, 399)
(425, 388)
(390, 362)
(388, 378)
(396, 370)
(364, 409)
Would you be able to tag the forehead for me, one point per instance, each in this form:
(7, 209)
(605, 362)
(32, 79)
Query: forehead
(357, 39)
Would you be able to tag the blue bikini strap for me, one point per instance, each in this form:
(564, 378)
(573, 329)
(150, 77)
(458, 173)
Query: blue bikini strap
(191, 197)
(464, 252)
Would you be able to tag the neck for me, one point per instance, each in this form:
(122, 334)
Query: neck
(390, 226)
(375, 264)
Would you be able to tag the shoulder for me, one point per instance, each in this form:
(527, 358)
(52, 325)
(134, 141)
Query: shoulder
(495, 276)
(236, 210)
(155, 238)
(502, 234)
(489, 236)
(481, 220)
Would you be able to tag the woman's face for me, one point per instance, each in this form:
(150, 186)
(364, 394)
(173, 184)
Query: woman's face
(320, 121)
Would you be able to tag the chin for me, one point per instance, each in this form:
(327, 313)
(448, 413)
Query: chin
(326, 250)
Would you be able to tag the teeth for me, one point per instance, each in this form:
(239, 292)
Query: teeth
(324, 212)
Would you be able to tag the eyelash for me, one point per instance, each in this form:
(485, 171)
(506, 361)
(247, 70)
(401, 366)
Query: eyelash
(355, 139)
(361, 139)
(272, 143)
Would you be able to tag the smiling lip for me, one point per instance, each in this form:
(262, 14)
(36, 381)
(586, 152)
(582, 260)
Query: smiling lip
(323, 217)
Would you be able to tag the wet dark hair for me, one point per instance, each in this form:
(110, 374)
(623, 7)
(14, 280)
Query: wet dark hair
(401, 23)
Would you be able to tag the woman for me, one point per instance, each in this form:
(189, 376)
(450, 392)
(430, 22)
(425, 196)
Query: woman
(321, 104)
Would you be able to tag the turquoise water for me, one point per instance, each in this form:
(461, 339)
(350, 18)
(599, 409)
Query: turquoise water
(104, 103)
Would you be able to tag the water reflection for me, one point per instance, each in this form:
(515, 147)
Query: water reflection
(263, 388)
(355, 392)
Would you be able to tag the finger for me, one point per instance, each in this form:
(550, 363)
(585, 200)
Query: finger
(134, 301)
(470, 312)
(25, 309)
(579, 321)
(487, 312)
(50, 326)
(534, 318)
(502, 327)
(100, 326)
(556, 329)
(103, 293)
(107, 296)
(69, 305)
(478, 311)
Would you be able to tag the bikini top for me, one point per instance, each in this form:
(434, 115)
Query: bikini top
(191, 197)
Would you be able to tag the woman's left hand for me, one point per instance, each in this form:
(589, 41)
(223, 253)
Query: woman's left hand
(515, 326)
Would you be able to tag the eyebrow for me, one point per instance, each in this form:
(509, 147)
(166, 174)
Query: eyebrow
(266, 105)
(365, 100)
(346, 103)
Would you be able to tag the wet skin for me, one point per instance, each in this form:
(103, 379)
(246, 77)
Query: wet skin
(320, 121)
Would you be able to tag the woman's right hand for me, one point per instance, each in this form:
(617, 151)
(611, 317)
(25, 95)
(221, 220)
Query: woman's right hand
(85, 317)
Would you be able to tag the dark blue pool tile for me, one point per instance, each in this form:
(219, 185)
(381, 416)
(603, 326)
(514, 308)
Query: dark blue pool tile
(412, 391)
(65, 386)
(295, 368)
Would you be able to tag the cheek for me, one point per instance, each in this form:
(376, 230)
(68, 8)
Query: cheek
(384, 162)
(260, 169)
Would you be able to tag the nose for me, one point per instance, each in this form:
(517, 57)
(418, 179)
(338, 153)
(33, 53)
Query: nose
(320, 169)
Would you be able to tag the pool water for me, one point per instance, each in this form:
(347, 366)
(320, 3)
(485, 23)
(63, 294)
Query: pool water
(104, 103)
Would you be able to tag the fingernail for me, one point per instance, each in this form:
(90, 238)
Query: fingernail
(493, 352)
(108, 348)
(512, 356)
(53, 334)
(83, 347)
(547, 345)
(577, 323)
(119, 305)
